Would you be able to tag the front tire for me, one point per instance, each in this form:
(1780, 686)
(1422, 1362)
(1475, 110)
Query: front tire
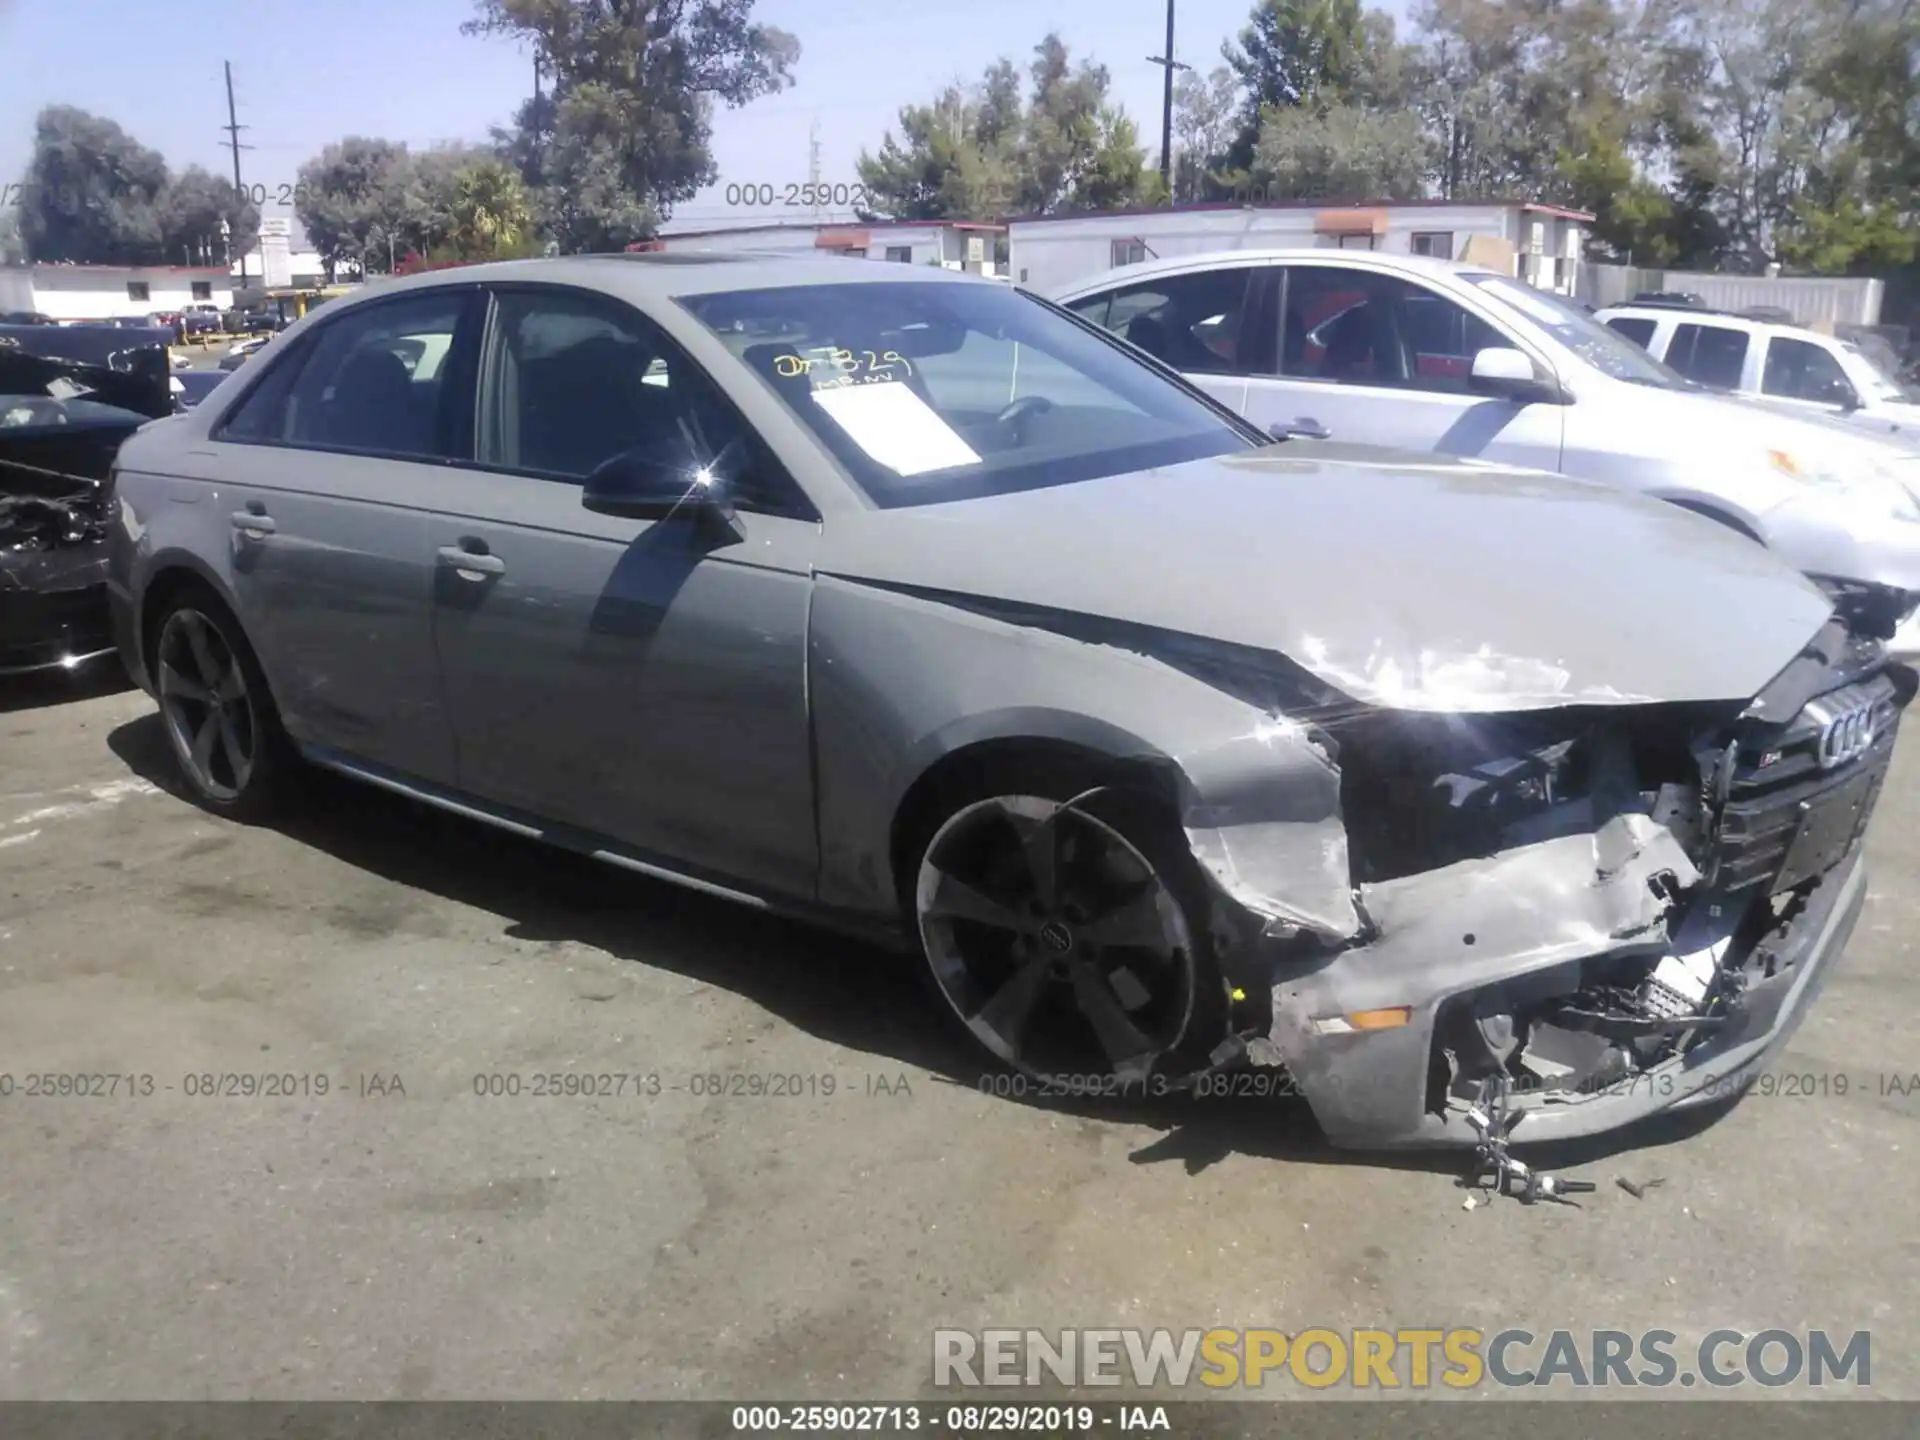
(1064, 929)
(215, 708)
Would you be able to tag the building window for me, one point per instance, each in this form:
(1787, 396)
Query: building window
(1437, 243)
(1128, 252)
(137, 290)
(202, 290)
(1357, 242)
(902, 254)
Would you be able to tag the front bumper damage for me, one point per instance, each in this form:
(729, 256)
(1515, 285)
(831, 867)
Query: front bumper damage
(1636, 934)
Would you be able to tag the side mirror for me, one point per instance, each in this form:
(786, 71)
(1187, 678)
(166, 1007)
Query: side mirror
(660, 482)
(1507, 374)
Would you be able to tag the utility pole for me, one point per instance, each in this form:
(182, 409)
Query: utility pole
(233, 127)
(813, 167)
(1166, 106)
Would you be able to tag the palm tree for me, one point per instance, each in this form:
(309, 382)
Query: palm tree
(490, 212)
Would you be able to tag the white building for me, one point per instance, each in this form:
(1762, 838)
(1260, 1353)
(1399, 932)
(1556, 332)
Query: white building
(290, 259)
(102, 292)
(1539, 243)
(954, 244)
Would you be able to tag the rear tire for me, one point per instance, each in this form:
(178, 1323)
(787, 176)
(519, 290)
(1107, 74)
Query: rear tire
(216, 710)
(1065, 932)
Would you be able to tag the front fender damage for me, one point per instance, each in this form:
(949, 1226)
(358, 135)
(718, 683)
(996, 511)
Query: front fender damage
(1262, 816)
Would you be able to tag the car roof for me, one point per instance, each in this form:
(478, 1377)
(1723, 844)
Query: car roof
(1425, 265)
(666, 275)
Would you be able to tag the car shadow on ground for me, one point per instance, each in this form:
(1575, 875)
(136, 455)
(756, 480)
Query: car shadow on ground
(38, 689)
(849, 993)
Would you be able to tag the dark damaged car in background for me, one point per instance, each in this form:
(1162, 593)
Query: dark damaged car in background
(68, 396)
(912, 604)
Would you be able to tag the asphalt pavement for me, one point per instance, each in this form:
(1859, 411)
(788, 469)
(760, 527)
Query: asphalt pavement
(325, 1172)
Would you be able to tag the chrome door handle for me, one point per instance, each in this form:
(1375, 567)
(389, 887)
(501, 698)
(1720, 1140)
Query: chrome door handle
(252, 522)
(474, 562)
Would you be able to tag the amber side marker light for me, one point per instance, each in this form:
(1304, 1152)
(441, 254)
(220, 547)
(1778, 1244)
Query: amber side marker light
(1390, 1018)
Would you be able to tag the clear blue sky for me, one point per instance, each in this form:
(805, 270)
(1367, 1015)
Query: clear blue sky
(308, 73)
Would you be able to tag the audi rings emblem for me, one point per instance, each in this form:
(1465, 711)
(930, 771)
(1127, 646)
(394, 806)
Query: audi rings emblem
(1847, 736)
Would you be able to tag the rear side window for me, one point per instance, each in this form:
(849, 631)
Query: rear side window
(371, 383)
(1636, 328)
(1196, 323)
(1711, 355)
(1802, 371)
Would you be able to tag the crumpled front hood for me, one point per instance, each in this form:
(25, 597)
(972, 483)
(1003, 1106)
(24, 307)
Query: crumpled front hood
(1428, 586)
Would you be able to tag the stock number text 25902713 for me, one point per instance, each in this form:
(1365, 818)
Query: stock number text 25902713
(808, 194)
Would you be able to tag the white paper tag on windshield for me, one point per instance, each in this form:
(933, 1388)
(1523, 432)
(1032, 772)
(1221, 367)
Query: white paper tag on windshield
(895, 426)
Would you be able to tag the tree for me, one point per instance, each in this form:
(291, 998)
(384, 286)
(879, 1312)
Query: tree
(489, 210)
(982, 151)
(1293, 52)
(1341, 152)
(13, 250)
(627, 132)
(1205, 120)
(350, 194)
(191, 211)
(91, 192)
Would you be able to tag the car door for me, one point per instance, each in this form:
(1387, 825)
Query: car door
(326, 470)
(1204, 323)
(643, 680)
(1711, 355)
(1806, 376)
(1373, 357)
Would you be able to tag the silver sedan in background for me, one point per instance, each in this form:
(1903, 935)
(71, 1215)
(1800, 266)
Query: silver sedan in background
(910, 603)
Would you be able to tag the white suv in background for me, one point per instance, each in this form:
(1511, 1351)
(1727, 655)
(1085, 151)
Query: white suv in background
(1783, 365)
(1423, 354)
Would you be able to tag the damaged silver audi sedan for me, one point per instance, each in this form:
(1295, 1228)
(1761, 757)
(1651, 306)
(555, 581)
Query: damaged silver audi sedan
(909, 603)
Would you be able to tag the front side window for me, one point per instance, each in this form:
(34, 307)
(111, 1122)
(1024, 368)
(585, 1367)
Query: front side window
(930, 392)
(1799, 370)
(1636, 328)
(1710, 355)
(572, 380)
(369, 383)
(1361, 328)
(1576, 331)
(1195, 322)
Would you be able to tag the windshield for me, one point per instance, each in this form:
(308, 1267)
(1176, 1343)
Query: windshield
(1879, 372)
(1606, 350)
(929, 392)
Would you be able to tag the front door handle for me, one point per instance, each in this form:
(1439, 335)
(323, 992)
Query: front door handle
(1304, 427)
(471, 562)
(253, 521)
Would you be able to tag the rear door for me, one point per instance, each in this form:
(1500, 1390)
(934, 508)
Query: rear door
(638, 679)
(1376, 358)
(325, 472)
(1711, 355)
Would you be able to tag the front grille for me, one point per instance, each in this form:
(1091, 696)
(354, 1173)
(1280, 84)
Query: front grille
(1800, 801)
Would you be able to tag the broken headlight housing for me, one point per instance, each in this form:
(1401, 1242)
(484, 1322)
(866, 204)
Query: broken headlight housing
(1421, 791)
